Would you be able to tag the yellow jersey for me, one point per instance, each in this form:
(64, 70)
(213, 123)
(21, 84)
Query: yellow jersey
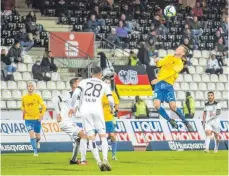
(170, 68)
(31, 106)
(108, 116)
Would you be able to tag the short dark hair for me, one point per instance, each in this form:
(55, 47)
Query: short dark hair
(211, 92)
(96, 70)
(72, 81)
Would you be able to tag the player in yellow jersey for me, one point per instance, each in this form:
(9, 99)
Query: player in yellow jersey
(170, 67)
(32, 115)
(110, 118)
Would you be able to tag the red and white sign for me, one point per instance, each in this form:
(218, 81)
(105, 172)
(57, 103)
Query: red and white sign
(72, 44)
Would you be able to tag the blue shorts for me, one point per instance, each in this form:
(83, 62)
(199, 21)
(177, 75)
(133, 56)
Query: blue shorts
(110, 127)
(164, 91)
(34, 125)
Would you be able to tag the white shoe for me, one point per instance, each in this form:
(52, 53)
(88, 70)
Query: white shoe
(206, 150)
(38, 145)
(114, 158)
(215, 150)
(35, 154)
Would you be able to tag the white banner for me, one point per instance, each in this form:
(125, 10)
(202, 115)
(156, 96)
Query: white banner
(139, 132)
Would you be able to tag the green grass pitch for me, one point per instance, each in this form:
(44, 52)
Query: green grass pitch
(129, 163)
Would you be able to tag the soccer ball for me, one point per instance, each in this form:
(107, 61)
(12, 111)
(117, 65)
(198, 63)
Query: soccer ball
(170, 11)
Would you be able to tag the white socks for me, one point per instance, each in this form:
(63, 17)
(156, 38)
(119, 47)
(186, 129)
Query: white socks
(94, 150)
(207, 142)
(104, 147)
(83, 149)
(216, 144)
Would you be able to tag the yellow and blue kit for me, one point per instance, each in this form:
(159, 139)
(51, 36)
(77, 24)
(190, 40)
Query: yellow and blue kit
(108, 116)
(31, 104)
(169, 72)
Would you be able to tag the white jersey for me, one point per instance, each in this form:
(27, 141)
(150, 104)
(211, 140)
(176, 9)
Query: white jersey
(62, 104)
(211, 112)
(91, 91)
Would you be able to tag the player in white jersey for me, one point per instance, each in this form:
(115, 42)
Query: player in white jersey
(92, 91)
(62, 106)
(211, 121)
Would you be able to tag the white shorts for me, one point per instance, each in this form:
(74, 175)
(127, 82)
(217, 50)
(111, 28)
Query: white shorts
(213, 126)
(93, 123)
(71, 129)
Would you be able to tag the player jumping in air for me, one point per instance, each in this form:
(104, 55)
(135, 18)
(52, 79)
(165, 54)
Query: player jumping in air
(110, 118)
(91, 91)
(170, 66)
(32, 115)
(62, 105)
(211, 121)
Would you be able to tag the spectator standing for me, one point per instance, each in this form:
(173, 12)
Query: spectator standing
(140, 109)
(25, 39)
(48, 62)
(213, 66)
(112, 37)
(189, 106)
(132, 59)
(38, 72)
(143, 55)
(14, 53)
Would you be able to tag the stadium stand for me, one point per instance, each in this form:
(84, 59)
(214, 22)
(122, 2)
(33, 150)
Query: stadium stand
(142, 28)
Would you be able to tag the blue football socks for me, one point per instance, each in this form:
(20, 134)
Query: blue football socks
(163, 113)
(34, 144)
(181, 115)
(114, 147)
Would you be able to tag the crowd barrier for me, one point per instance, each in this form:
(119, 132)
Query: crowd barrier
(156, 134)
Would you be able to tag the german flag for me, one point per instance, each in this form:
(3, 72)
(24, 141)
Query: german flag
(132, 81)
